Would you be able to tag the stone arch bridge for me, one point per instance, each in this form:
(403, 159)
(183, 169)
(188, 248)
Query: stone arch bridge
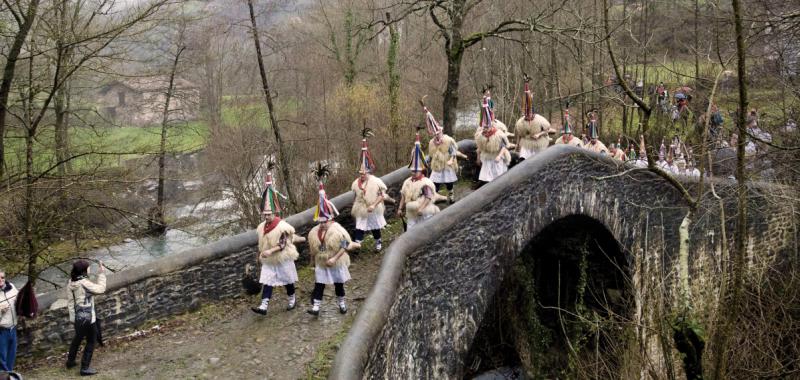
(438, 284)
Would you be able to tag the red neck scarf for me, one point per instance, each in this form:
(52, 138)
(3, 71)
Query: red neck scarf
(271, 226)
(438, 140)
(321, 236)
(489, 132)
(363, 183)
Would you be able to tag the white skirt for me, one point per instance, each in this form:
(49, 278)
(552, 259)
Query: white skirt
(524, 153)
(491, 169)
(280, 274)
(448, 175)
(373, 221)
(331, 275)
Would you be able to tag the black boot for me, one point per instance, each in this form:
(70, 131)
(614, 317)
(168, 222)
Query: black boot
(88, 371)
(315, 306)
(262, 308)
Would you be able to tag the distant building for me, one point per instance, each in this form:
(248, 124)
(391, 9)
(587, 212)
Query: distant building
(140, 101)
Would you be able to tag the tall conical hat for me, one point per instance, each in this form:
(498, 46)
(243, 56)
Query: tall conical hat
(593, 125)
(487, 110)
(271, 197)
(662, 151)
(567, 130)
(366, 163)
(631, 153)
(527, 103)
(417, 157)
(325, 209)
(430, 122)
(642, 147)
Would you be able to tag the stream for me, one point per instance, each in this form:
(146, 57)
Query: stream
(134, 252)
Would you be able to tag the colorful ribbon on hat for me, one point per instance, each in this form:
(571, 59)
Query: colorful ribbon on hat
(593, 126)
(487, 113)
(367, 164)
(271, 197)
(325, 209)
(417, 157)
(527, 105)
(567, 129)
(430, 123)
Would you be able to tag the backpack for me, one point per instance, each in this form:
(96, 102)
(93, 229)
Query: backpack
(83, 313)
(26, 304)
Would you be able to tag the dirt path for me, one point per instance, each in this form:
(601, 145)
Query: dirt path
(227, 340)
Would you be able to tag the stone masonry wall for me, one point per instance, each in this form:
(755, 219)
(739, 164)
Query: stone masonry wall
(431, 294)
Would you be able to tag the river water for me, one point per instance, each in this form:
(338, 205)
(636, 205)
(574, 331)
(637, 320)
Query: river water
(135, 252)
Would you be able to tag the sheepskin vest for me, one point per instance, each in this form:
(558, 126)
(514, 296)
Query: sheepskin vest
(526, 129)
(412, 192)
(619, 154)
(597, 147)
(573, 142)
(367, 194)
(272, 239)
(323, 250)
(490, 146)
(440, 153)
(500, 125)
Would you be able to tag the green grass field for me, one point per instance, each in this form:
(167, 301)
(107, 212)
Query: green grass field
(107, 147)
(110, 146)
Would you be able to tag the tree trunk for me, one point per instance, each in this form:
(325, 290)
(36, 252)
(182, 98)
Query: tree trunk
(284, 159)
(624, 117)
(350, 64)
(61, 108)
(157, 223)
(394, 90)
(450, 101)
(8, 75)
(62, 97)
(697, 81)
(741, 191)
(213, 92)
(30, 243)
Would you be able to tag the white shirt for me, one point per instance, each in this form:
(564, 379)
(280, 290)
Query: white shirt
(8, 314)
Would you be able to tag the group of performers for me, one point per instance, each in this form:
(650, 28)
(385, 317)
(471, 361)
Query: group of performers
(329, 243)
(533, 132)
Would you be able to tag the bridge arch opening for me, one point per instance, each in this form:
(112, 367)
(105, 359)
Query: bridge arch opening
(563, 308)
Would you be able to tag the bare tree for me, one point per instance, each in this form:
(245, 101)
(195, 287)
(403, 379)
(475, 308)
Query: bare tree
(279, 143)
(53, 55)
(157, 223)
(394, 85)
(24, 18)
(740, 238)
